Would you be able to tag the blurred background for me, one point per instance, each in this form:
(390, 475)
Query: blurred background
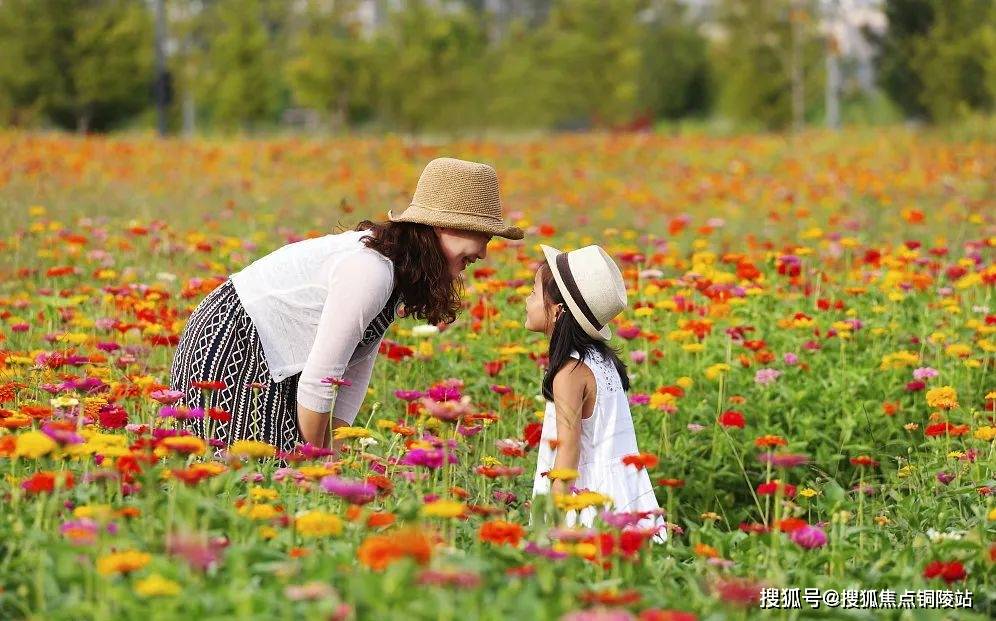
(469, 67)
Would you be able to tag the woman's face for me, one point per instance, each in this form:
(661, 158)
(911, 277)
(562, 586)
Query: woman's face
(461, 248)
(539, 315)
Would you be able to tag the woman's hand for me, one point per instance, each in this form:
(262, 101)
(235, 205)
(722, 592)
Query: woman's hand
(315, 429)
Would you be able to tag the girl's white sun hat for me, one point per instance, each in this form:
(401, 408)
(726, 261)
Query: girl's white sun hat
(591, 284)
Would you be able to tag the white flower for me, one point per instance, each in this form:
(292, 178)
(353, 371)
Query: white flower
(365, 442)
(936, 536)
(425, 330)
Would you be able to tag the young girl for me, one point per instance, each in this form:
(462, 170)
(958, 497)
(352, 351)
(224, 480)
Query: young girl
(587, 426)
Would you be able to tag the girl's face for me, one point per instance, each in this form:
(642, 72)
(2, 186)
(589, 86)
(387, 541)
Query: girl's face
(540, 316)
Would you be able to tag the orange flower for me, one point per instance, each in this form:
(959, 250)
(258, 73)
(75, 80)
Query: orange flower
(790, 524)
(500, 532)
(702, 549)
(381, 518)
(769, 440)
(379, 551)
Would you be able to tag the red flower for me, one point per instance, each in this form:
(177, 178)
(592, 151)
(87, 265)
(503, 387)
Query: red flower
(945, 428)
(208, 384)
(500, 532)
(672, 483)
(532, 433)
(732, 418)
(950, 572)
(655, 614)
(768, 489)
(493, 367)
(112, 417)
(863, 460)
(44, 482)
(641, 460)
(219, 415)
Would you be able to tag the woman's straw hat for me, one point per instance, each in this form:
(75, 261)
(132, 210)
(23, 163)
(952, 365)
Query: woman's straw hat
(591, 284)
(458, 194)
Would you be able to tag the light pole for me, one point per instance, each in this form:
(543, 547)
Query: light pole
(161, 83)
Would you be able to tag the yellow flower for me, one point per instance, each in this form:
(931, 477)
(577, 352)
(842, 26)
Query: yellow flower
(659, 399)
(267, 532)
(685, 382)
(156, 586)
(714, 371)
(344, 433)
(191, 445)
(252, 448)
(259, 511)
(808, 492)
(122, 562)
(710, 515)
(318, 524)
(905, 471)
(992, 514)
(958, 350)
(899, 360)
(490, 461)
(986, 433)
(100, 513)
(581, 500)
(262, 493)
(644, 311)
(881, 520)
(443, 509)
(33, 445)
(693, 348)
(313, 473)
(563, 474)
(943, 397)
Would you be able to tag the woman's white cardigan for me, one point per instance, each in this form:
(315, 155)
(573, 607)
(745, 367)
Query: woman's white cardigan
(311, 303)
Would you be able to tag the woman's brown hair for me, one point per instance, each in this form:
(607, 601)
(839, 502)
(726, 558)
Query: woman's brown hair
(421, 272)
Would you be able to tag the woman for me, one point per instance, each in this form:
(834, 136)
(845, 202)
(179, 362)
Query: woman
(291, 340)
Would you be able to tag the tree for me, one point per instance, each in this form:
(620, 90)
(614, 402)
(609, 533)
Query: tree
(82, 65)
(242, 82)
(593, 50)
(674, 76)
(956, 60)
(430, 65)
(755, 61)
(331, 68)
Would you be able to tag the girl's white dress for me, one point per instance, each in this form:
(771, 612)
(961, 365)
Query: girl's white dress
(606, 437)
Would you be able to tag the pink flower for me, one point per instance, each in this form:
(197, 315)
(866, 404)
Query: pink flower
(766, 376)
(353, 492)
(166, 397)
(925, 373)
(790, 359)
(638, 357)
(809, 537)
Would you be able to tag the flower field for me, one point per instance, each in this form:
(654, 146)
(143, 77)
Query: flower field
(811, 340)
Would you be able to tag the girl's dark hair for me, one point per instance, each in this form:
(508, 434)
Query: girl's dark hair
(421, 273)
(569, 335)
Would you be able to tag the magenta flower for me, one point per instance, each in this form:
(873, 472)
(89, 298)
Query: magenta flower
(945, 477)
(809, 537)
(408, 395)
(166, 397)
(353, 492)
(428, 458)
(783, 460)
(790, 359)
(337, 381)
(925, 373)
(639, 399)
(446, 391)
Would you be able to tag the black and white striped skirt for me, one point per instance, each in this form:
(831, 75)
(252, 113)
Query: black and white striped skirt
(219, 343)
